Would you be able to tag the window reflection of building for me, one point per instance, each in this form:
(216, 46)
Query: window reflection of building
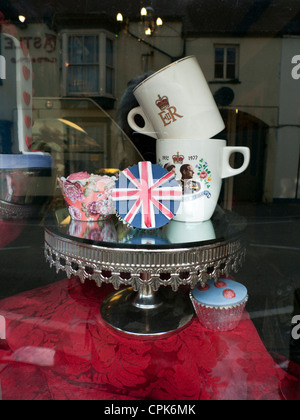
(88, 63)
(243, 49)
(85, 139)
(226, 62)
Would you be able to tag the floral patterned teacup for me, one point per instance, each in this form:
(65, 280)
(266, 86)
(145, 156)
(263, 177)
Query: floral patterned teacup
(88, 197)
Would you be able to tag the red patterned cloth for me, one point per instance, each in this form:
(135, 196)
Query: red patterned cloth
(53, 345)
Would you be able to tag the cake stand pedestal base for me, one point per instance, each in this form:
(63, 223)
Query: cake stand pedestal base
(147, 314)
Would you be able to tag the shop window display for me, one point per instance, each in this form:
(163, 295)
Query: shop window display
(134, 264)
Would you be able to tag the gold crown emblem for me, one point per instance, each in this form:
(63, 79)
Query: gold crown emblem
(162, 102)
(178, 158)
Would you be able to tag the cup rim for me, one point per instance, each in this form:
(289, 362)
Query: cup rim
(210, 139)
(163, 69)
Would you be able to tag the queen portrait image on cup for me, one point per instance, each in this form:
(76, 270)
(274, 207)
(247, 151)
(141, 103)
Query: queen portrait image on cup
(199, 167)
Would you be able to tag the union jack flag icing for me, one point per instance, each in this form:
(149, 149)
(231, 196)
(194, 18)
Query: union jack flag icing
(146, 196)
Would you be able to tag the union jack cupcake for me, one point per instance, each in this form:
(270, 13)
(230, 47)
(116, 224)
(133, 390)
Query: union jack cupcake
(219, 305)
(146, 196)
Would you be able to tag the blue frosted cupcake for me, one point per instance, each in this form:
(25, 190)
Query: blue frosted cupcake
(219, 305)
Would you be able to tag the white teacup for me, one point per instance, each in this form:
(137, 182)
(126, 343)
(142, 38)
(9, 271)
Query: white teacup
(199, 167)
(176, 102)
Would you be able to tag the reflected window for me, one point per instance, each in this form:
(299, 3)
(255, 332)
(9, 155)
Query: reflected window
(226, 62)
(88, 63)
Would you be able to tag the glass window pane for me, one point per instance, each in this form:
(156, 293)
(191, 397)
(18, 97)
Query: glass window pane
(219, 55)
(90, 49)
(75, 49)
(231, 55)
(230, 71)
(83, 79)
(74, 79)
(219, 63)
(109, 52)
(219, 71)
(84, 52)
(231, 63)
(66, 77)
(91, 79)
(67, 74)
(109, 80)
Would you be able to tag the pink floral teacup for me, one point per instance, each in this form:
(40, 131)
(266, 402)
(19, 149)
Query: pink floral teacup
(88, 197)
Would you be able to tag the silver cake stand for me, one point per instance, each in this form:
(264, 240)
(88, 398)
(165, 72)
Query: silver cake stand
(16, 211)
(144, 308)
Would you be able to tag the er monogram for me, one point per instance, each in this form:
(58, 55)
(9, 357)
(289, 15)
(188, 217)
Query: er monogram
(168, 113)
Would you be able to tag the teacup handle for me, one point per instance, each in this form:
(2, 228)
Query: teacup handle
(227, 169)
(147, 129)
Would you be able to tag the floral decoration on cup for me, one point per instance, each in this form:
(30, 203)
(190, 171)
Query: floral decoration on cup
(204, 172)
(88, 196)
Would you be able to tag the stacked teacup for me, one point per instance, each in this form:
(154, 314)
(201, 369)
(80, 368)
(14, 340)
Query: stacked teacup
(179, 111)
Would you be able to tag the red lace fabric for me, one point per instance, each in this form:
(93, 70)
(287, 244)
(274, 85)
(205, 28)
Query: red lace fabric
(53, 345)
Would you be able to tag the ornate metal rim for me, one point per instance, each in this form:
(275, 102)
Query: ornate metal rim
(140, 267)
(16, 211)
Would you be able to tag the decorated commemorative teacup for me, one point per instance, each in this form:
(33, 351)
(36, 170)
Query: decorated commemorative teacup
(176, 103)
(199, 167)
